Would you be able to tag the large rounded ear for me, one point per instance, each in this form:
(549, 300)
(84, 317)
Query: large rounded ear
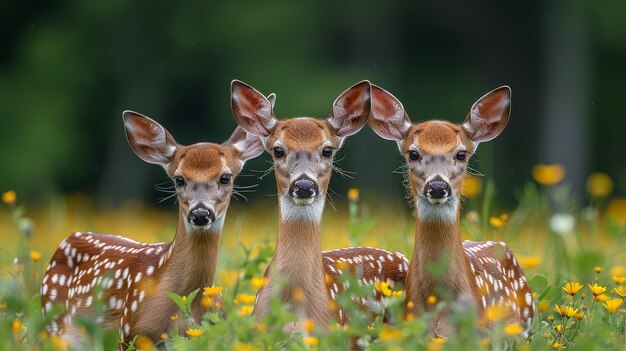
(388, 118)
(252, 111)
(350, 110)
(148, 139)
(249, 146)
(489, 115)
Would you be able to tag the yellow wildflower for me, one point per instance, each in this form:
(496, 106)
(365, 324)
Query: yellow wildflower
(397, 293)
(558, 346)
(599, 185)
(513, 329)
(617, 211)
(206, 302)
(244, 346)
(213, 290)
(618, 279)
(484, 342)
(353, 194)
(543, 306)
(572, 288)
(597, 269)
(495, 313)
(383, 287)
(245, 299)
(9, 197)
(432, 299)
(579, 315)
(613, 304)
(17, 326)
(164, 336)
(174, 317)
(258, 283)
(390, 334)
(297, 294)
(602, 297)
(410, 305)
(529, 262)
(59, 343)
(548, 174)
(35, 256)
(559, 328)
(194, 332)
(596, 289)
(144, 343)
(435, 344)
(184, 298)
(620, 290)
(308, 325)
(470, 186)
(618, 270)
(498, 221)
(245, 310)
(563, 310)
(311, 341)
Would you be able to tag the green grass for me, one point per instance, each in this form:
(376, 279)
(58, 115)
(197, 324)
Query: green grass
(555, 240)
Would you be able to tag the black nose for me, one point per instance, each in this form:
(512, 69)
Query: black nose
(201, 216)
(304, 188)
(437, 189)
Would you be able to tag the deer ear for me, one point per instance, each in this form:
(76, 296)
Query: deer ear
(489, 115)
(249, 146)
(148, 139)
(350, 110)
(388, 118)
(272, 99)
(252, 111)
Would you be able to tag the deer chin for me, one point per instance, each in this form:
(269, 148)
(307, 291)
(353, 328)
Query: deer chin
(438, 201)
(213, 227)
(299, 201)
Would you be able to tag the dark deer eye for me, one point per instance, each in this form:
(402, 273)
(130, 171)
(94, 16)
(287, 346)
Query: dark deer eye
(414, 155)
(461, 155)
(180, 181)
(225, 178)
(327, 151)
(279, 152)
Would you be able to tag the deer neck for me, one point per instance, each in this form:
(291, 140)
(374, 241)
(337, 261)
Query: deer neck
(297, 265)
(439, 266)
(191, 259)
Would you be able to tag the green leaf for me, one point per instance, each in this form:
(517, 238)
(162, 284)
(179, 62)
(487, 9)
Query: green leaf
(538, 284)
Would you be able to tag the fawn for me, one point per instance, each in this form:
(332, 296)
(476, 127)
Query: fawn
(135, 276)
(486, 275)
(303, 149)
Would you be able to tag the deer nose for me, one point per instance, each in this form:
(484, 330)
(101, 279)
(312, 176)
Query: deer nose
(304, 188)
(437, 189)
(201, 216)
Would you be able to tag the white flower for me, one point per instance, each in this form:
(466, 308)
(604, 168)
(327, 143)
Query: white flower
(562, 223)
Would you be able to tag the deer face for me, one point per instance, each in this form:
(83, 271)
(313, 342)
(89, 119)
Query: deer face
(302, 148)
(202, 173)
(437, 152)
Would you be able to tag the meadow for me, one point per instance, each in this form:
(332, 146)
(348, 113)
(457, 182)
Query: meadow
(573, 254)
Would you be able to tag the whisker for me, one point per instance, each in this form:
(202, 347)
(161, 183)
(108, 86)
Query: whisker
(238, 195)
(245, 186)
(168, 197)
(343, 173)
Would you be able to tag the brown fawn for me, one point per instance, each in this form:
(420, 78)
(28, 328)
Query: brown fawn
(484, 274)
(303, 149)
(135, 276)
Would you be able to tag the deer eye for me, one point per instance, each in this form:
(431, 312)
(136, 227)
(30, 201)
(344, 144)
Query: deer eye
(461, 155)
(327, 151)
(225, 178)
(279, 152)
(180, 181)
(414, 155)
